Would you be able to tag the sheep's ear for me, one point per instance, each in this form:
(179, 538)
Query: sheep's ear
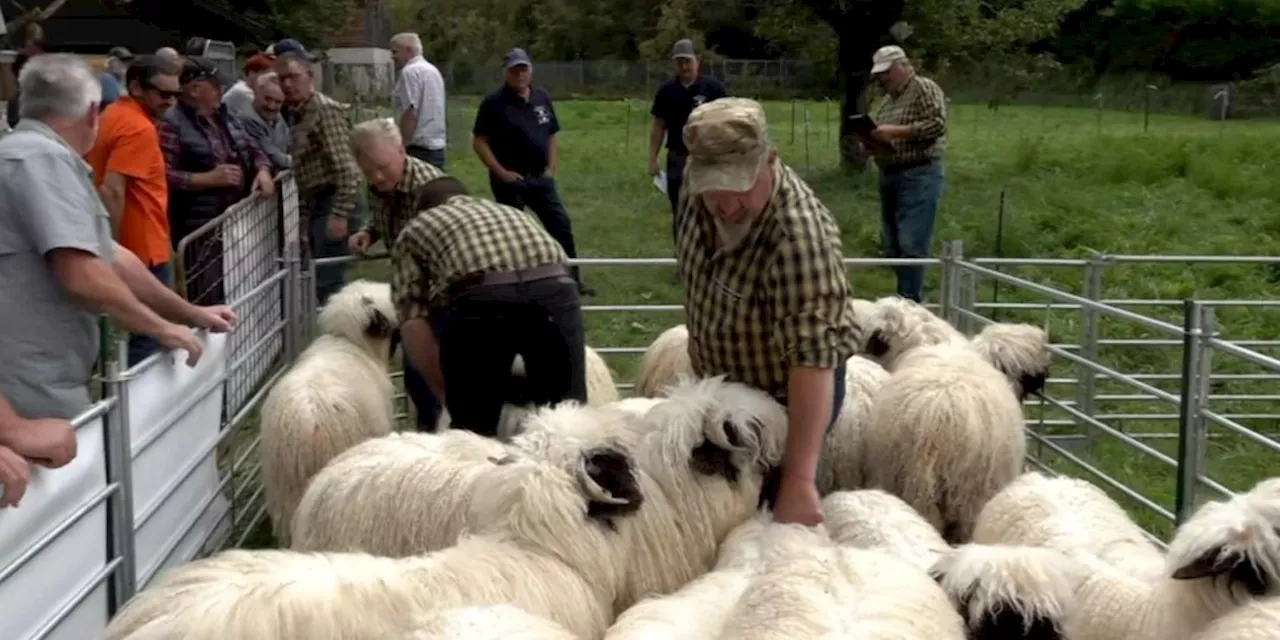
(877, 346)
(1032, 382)
(380, 326)
(1210, 563)
(607, 476)
(714, 455)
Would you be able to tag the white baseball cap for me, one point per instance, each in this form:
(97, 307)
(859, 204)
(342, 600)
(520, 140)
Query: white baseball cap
(885, 57)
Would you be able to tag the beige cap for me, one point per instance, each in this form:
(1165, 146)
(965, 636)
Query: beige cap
(885, 57)
(728, 142)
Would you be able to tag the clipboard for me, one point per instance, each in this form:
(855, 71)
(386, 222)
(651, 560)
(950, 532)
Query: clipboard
(863, 125)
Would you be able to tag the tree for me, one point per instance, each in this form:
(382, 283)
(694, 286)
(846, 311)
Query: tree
(675, 22)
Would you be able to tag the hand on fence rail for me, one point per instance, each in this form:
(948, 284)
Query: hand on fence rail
(14, 474)
(218, 318)
(48, 442)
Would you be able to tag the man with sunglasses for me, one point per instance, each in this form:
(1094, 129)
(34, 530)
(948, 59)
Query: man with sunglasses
(129, 171)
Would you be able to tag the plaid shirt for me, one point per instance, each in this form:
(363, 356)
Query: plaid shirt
(776, 300)
(321, 157)
(920, 104)
(464, 236)
(219, 143)
(391, 210)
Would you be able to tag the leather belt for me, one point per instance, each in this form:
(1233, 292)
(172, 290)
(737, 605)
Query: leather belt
(485, 279)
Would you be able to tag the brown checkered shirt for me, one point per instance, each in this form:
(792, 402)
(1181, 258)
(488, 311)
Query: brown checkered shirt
(776, 300)
(463, 236)
(390, 210)
(921, 104)
(321, 155)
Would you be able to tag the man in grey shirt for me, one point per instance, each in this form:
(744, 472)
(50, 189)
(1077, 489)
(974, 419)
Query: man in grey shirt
(418, 99)
(262, 120)
(59, 267)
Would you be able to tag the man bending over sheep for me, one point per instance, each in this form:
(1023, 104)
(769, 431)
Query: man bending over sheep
(500, 282)
(764, 285)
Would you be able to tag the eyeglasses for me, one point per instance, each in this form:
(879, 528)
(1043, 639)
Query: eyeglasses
(164, 93)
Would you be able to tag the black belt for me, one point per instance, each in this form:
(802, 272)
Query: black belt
(486, 279)
(899, 168)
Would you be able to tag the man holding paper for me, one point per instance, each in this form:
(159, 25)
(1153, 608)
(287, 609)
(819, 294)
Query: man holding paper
(907, 141)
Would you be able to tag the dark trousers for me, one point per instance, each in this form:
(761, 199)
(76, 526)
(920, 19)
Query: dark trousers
(487, 327)
(675, 180)
(773, 479)
(543, 199)
(908, 210)
(434, 157)
(329, 278)
(141, 346)
(425, 403)
(202, 261)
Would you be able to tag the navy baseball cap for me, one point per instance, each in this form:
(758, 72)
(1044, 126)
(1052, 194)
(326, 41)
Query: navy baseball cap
(289, 45)
(516, 57)
(196, 68)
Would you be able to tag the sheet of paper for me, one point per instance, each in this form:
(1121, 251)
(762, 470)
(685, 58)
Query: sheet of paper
(660, 181)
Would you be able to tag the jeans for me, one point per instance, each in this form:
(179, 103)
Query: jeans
(542, 197)
(908, 209)
(675, 180)
(141, 346)
(424, 401)
(329, 278)
(487, 327)
(773, 478)
(435, 157)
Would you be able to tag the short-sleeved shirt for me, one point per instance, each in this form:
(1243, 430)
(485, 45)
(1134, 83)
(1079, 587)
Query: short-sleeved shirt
(921, 105)
(777, 299)
(464, 236)
(47, 202)
(128, 144)
(239, 98)
(392, 209)
(519, 130)
(421, 87)
(674, 102)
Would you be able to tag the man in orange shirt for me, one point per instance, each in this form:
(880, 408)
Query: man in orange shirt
(129, 170)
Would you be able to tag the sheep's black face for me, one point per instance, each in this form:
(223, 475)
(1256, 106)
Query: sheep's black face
(1235, 567)
(877, 346)
(612, 471)
(380, 326)
(1001, 622)
(1032, 383)
(711, 459)
(769, 488)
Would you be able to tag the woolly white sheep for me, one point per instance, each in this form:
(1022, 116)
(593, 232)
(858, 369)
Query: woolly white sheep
(808, 587)
(1068, 514)
(1020, 351)
(840, 467)
(1255, 621)
(336, 395)
(893, 326)
(494, 622)
(665, 362)
(873, 519)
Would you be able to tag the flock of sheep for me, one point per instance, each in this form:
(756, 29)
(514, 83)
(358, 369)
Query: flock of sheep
(640, 518)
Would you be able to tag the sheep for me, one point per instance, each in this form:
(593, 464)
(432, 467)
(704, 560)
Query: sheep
(1068, 514)
(665, 362)
(840, 467)
(873, 519)
(699, 609)
(861, 309)
(336, 395)
(494, 622)
(945, 434)
(808, 587)
(1020, 351)
(893, 326)
(1255, 621)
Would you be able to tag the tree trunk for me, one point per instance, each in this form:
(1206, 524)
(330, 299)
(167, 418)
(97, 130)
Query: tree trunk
(856, 49)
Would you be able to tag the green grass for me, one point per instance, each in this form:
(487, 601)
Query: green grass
(1072, 184)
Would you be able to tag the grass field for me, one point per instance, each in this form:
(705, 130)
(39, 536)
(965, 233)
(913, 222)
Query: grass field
(1072, 182)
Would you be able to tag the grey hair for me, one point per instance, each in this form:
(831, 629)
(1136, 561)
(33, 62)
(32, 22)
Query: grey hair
(408, 39)
(365, 133)
(58, 84)
(265, 79)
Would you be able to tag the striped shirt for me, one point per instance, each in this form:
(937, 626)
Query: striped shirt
(920, 104)
(390, 210)
(777, 299)
(461, 237)
(321, 157)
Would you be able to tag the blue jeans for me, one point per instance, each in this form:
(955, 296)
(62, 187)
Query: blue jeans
(329, 278)
(434, 157)
(675, 181)
(424, 402)
(773, 478)
(908, 209)
(141, 346)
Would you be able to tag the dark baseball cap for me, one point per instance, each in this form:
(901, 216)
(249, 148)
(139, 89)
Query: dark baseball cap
(289, 45)
(515, 58)
(120, 53)
(682, 49)
(196, 68)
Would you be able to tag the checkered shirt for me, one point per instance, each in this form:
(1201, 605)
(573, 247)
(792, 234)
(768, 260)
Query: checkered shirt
(461, 237)
(390, 210)
(776, 300)
(321, 156)
(921, 104)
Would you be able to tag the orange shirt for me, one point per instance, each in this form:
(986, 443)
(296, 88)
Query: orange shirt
(129, 145)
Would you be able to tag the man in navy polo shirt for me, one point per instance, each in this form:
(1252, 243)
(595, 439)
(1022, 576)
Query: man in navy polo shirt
(676, 99)
(515, 137)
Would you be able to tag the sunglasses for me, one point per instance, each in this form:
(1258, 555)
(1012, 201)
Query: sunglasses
(163, 93)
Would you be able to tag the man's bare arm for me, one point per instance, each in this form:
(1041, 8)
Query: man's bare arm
(408, 124)
(810, 392)
(419, 341)
(657, 131)
(95, 285)
(149, 290)
(112, 192)
(481, 145)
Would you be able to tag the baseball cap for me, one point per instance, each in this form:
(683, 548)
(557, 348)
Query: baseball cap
(516, 57)
(886, 56)
(259, 62)
(682, 49)
(289, 45)
(196, 68)
(120, 53)
(728, 142)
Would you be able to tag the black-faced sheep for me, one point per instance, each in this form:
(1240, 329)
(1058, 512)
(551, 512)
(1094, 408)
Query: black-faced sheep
(336, 395)
(665, 363)
(1020, 351)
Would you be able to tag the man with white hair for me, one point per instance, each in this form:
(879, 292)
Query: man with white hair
(170, 54)
(394, 179)
(912, 125)
(264, 122)
(765, 290)
(418, 99)
(58, 265)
